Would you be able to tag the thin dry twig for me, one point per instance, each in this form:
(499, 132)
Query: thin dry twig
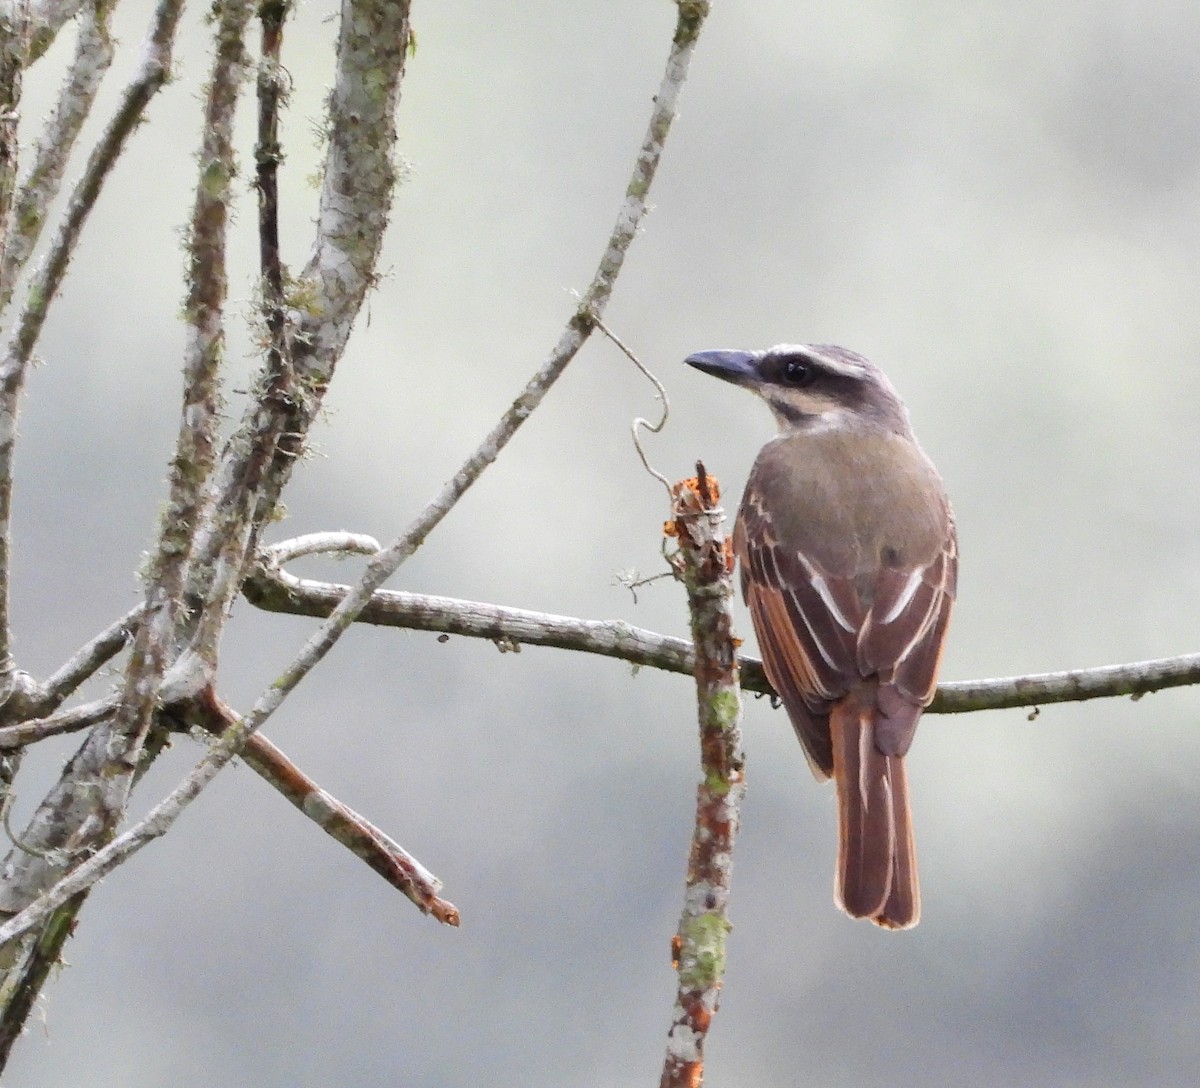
(382, 853)
(86, 801)
(338, 543)
(63, 721)
(89, 659)
(154, 645)
(52, 150)
(704, 563)
(14, 44)
(276, 590)
(152, 71)
(639, 423)
(14, 50)
(272, 87)
(196, 439)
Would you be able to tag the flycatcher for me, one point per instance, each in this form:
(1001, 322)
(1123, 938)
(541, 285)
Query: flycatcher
(849, 558)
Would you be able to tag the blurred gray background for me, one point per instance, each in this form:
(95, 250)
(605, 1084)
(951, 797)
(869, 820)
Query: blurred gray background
(1000, 204)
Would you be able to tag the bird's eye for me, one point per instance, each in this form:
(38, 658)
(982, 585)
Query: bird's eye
(798, 372)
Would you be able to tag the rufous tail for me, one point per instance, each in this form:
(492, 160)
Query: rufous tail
(876, 874)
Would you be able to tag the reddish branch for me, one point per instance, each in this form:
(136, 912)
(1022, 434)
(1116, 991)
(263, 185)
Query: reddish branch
(704, 564)
(387, 857)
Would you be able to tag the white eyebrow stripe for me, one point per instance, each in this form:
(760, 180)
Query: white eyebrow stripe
(906, 595)
(837, 366)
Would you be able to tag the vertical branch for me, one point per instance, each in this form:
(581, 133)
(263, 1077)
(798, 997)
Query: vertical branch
(704, 562)
(14, 42)
(152, 72)
(40, 184)
(20, 989)
(207, 278)
(272, 92)
(47, 18)
(356, 197)
(14, 50)
(27, 965)
(193, 458)
(85, 804)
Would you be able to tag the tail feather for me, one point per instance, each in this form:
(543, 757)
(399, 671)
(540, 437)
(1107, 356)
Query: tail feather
(877, 866)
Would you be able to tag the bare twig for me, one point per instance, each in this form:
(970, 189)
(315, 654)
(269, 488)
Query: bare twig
(359, 835)
(14, 50)
(659, 390)
(26, 699)
(51, 152)
(153, 69)
(89, 659)
(275, 590)
(268, 154)
(195, 445)
(14, 45)
(154, 644)
(328, 543)
(1135, 679)
(86, 802)
(63, 721)
(704, 564)
(383, 854)
(595, 298)
(324, 301)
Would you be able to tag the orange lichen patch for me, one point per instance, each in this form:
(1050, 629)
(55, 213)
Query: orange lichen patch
(703, 487)
(676, 951)
(697, 493)
(701, 1018)
(445, 912)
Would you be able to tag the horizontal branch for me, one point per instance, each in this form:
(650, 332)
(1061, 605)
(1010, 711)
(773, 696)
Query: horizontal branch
(271, 588)
(64, 721)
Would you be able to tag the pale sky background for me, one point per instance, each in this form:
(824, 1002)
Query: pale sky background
(1000, 204)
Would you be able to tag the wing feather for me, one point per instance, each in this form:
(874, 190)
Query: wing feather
(823, 633)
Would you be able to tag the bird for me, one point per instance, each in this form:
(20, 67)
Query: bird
(848, 556)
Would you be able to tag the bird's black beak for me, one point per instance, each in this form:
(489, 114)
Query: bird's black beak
(739, 367)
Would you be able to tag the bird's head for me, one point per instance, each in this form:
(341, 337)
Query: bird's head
(811, 386)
